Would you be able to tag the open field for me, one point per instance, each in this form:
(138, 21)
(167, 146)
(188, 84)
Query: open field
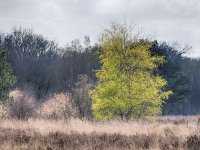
(163, 133)
(48, 129)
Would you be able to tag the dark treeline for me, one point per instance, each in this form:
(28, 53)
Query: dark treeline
(46, 68)
(41, 65)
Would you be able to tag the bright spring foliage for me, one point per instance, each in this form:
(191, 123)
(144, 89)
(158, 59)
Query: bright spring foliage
(127, 86)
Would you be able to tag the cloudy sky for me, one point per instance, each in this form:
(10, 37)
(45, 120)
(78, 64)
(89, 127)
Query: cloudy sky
(64, 20)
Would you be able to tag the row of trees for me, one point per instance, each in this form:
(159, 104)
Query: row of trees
(44, 67)
(126, 65)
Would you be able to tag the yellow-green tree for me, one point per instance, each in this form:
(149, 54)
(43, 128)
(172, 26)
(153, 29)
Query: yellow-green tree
(126, 85)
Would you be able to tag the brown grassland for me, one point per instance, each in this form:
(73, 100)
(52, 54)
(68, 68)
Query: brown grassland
(163, 133)
(47, 129)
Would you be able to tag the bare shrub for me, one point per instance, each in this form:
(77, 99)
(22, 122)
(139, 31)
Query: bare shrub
(57, 106)
(3, 110)
(23, 106)
(80, 97)
(15, 94)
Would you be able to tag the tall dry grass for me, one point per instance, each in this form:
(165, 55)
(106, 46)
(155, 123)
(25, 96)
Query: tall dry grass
(45, 126)
(50, 130)
(133, 135)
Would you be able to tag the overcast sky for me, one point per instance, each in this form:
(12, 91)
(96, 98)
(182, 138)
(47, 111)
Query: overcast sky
(65, 20)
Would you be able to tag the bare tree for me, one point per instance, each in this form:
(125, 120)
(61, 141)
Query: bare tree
(80, 97)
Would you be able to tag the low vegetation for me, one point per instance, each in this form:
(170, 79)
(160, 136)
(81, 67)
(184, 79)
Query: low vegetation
(49, 129)
(163, 134)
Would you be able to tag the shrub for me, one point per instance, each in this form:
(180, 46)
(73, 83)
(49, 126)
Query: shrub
(3, 110)
(23, 106)
(57, 106)
(80, 97)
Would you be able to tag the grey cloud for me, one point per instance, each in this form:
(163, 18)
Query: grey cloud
(64, 20)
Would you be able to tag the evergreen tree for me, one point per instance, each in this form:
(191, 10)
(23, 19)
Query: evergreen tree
(173, 72)
(7, 79)
(126, 85)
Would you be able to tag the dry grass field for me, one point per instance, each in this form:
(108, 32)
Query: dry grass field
(164, 133)
(47, 128)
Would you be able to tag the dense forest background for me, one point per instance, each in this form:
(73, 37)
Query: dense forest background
(44, 67)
